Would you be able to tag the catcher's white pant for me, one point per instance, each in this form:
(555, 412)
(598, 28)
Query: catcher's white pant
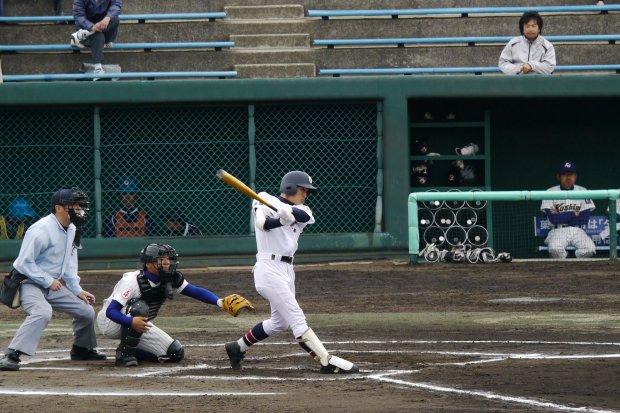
(275, 281)
(156, 341)
(560, 238)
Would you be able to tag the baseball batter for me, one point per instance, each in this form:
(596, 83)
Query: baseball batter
(274, 277)
(136, 300)
(567, 216)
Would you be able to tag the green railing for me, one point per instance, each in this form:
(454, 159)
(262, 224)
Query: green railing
(413, 223)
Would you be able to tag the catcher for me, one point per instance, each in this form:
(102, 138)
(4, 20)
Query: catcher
(136, 300)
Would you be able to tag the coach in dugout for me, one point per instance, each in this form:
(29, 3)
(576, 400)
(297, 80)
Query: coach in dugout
(567, 217)
(530, 52)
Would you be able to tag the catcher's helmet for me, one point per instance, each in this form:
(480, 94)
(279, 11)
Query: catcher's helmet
(293, 179)
(71, 196)
(153, 252)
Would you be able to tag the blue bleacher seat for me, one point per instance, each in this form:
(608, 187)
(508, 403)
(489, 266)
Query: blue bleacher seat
(462, 11)
(141, 18)
(117, 46)
(610, 38)
(452, 70)
(128, 75)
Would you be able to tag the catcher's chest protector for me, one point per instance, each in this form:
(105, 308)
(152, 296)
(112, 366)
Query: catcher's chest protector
(154, 296)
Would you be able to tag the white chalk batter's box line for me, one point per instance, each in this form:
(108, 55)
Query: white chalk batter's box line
(384, 376)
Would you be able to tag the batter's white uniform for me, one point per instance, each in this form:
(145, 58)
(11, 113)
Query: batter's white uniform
(155, 340)
(273, 278)
(562, 236)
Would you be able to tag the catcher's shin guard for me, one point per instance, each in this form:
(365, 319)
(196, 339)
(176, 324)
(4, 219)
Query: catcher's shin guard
(130, 338)
(329, 364)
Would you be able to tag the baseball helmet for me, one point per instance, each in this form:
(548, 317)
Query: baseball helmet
(71, 196)
(20, 208)
(293, 179)
(153, 252)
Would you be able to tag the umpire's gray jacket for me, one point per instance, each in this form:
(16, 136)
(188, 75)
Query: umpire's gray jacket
(539, 54)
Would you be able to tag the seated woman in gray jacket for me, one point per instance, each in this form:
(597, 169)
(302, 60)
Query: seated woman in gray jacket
(530, 52)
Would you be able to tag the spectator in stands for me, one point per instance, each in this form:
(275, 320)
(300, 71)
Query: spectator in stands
(129, 220)
(13, 225)
(567, 217)
(530, 52)
(177, 225)
(97, 22)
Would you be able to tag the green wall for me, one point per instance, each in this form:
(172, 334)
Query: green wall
(530, 116)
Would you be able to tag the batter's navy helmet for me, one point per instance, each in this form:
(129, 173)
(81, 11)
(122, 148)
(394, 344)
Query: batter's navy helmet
(293, 179)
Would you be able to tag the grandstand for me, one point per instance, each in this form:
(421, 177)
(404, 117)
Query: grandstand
(296, 39)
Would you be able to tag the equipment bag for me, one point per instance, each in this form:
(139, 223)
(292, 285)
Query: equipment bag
(9, 290)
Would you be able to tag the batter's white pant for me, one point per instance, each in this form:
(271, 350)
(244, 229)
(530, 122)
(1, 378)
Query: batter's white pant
(156, 341)
(275, 281)
(38, 302)
(560, 238)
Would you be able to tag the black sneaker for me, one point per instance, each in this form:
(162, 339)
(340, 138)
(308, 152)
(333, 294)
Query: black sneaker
(10, 361)
(234, 354)
(83, 353)
(124, 360)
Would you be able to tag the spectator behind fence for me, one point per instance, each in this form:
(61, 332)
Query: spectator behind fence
(13, 225)
(530, 52)
(567, 216)
(177, 225)
(97, 22)
(128, 220)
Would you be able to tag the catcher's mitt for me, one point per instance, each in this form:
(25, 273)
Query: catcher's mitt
(234, 303)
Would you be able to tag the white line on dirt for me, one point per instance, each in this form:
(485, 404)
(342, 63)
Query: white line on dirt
(486, 395)
(267, 378)
(60, 392)
(533, 342)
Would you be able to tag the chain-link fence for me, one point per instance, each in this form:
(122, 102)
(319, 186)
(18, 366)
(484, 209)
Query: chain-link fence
(157, 165)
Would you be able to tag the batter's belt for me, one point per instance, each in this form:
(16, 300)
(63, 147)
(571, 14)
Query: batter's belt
(274, 257)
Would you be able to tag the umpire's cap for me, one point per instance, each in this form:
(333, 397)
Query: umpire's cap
(70, 196)
(20, 208)
(293, 179)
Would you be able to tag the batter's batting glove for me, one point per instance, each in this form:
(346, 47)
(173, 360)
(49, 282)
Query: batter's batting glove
(234, 303)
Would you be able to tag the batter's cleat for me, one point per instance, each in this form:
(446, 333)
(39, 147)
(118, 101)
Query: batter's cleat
(83, 353)
(10, 361)
(339, 366)
(234, 354)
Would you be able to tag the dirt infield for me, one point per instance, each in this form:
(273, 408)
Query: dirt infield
(519, 337)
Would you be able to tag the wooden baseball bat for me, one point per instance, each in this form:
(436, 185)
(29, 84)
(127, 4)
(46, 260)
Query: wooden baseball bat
(229, 179)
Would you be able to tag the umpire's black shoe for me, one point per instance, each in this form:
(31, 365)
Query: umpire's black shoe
(83, 353)
(10, 361)
(234, 354)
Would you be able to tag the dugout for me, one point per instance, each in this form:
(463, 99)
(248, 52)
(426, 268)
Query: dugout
(354, 135)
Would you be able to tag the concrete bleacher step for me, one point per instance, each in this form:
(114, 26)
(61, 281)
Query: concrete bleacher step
(267, 12)
(276, 70)
(283, 41)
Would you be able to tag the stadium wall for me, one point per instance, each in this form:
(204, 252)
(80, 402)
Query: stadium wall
(535, 123)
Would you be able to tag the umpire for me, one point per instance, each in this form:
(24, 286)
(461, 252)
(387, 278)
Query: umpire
(48, 254)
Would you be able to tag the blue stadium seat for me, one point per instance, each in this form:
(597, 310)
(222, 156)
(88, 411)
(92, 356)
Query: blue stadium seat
(610, 38)
(128, 75)
(140, 18)
(462, 11)
(457, 70)
(117, 46)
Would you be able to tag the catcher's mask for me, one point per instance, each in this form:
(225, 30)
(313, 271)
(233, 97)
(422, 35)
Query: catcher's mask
(155, 253)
